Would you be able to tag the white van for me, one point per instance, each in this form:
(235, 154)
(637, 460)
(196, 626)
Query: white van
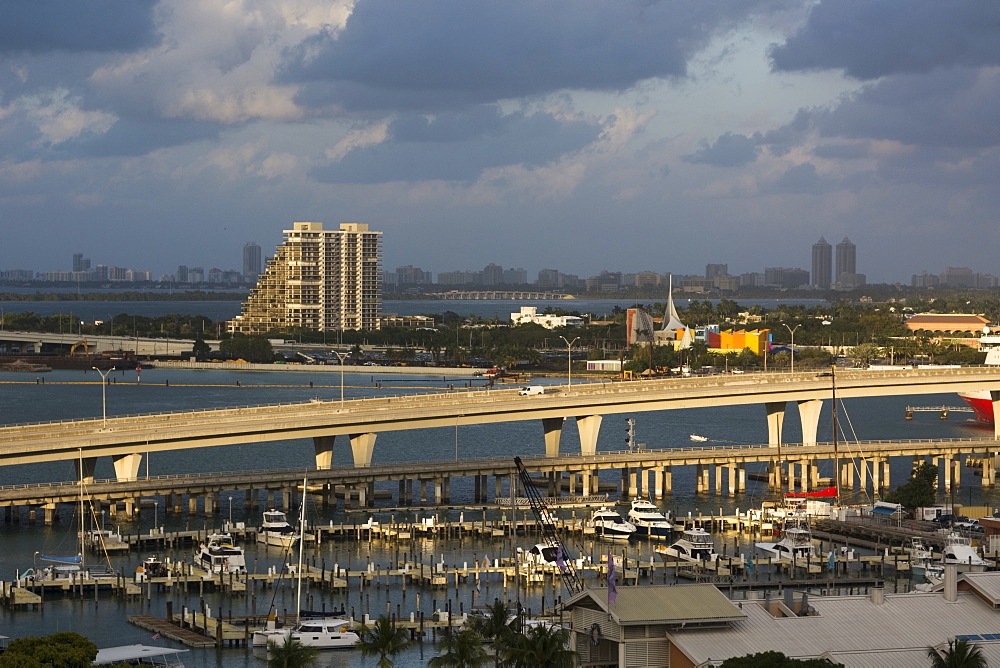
(531, 390)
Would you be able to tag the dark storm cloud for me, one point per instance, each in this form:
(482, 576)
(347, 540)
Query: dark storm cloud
(420, 149)
(37, 26)
(132, 137)
(798, 180)
(729, 150)
(950, 109)
(874, 38)
(426, 54)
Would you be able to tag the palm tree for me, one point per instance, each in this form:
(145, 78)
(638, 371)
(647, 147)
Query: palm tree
(542, 645)
(383, 640)
(463, 649)
(290, 654)
(495, 626)
(960, 654)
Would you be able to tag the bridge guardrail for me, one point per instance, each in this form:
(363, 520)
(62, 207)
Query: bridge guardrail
(603, 456)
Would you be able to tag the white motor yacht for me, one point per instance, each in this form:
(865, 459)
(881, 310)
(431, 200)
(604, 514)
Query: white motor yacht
(795, 543)
(958, 550)
(275, 530)
(648, 519)
(220, 554)
(329, 633)
(609, 524)
(695, 544)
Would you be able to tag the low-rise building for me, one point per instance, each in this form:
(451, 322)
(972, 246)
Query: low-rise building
(683, 626)
(531, 314)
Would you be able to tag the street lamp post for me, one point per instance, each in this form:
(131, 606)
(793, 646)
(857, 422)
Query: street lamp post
(230, 511)
(569, 359)
(104, 392)
(792, 331)
(156, 513)
(342, 357)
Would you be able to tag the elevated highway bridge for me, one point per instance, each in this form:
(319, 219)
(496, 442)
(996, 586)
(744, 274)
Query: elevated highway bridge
(361, 420)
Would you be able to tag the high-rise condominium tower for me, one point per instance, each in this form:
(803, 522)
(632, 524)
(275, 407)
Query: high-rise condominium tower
(847, 255)
(251, 261)
(822, 264)
(318, 279)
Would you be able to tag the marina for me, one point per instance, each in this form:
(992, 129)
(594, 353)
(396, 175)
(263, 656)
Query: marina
(425, 558)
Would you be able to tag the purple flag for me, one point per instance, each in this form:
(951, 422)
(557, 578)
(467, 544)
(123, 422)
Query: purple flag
(612, 588)
(560, 564)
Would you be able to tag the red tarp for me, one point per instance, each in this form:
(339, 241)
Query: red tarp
(828, 492)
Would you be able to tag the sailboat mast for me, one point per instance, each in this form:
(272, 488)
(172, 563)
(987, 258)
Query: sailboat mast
(302, 533)
(83, 548)
(836, 452)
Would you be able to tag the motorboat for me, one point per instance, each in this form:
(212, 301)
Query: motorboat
(152, 567)
(958, 550)
(698, 439)
(795, 542)
(540, 554)
(921, 557)
(275, 530)
(220, 554)
(648, 519)
(695, 544)
(327, 633)
(609, 524)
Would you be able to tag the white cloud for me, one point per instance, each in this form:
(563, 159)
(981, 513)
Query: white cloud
(369, 136)
(59, 117)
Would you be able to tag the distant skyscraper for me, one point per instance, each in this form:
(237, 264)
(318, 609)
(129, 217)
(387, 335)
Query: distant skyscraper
(713, 271)
(182, 273)
(847, 254)
(320, 280)
(822, 264)
(492, 274)
(251, 261)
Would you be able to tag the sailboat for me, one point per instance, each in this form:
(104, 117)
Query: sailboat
(75, 567)
(325, 633)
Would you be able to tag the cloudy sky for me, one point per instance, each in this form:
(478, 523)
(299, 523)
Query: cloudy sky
(577, 135)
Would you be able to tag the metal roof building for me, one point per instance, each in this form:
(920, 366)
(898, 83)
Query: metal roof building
(696, 625)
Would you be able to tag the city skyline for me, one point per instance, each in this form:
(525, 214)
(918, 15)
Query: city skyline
(594, 134)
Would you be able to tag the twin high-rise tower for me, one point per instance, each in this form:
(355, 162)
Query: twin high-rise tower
(823, 275)
(319, 280)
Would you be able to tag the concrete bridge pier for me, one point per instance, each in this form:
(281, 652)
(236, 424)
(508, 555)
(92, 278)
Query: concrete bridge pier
(589, 426)
(552, 430)
(323, 448)
(127, 466)
(628, 482)
(989, 470)
(663, 479)
(362, 445)
(210, 503)
(50, 513)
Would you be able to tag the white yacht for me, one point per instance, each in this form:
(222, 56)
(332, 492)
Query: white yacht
(275, 529)
(958, 550)
(648, 519)
(795, 543)
(329, 633)
(609, 524)
(220, 554)
(695, 544)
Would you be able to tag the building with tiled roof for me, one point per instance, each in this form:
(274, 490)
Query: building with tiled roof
(946, 323)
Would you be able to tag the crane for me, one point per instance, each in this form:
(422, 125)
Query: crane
(547, 529)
